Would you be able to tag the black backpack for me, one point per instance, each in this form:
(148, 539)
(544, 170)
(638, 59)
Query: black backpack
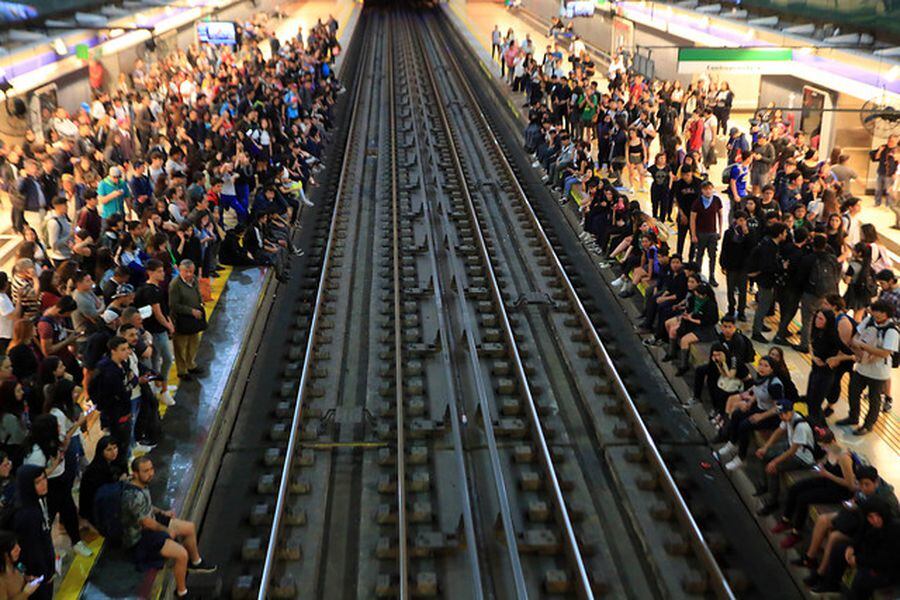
(825, 275)
(108, 512)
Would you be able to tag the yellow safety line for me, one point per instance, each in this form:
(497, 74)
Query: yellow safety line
(80, 569)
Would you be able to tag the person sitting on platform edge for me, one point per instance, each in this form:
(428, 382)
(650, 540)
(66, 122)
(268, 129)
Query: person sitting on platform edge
(154, 534)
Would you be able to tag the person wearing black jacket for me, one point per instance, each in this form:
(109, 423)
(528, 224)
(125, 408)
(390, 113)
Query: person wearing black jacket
(874, 552)
(32, 525)
(110, 390)
(737, 244)
(820, 272)
(685, 191)
(670, 289)
(789, 299)
(765, 264)
(105, 468)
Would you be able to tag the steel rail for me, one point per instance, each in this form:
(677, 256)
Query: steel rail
(402, 555)
(452, 393)
(701, 547)
(571, 542)
(284, 485)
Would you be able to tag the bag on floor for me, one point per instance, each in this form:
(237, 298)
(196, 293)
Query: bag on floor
(108, 512)
(148, 427)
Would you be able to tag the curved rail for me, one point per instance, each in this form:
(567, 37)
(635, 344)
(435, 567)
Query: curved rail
(284, 485)
(571, 542)
(718, 580)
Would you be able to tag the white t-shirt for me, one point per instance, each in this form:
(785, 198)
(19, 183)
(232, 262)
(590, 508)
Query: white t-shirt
(800, 433)
(36, 457)
(887, 338)
(7, 308)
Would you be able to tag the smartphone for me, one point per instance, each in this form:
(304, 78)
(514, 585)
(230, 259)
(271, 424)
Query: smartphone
(90, 410)
(848, 503)
(38, 580)
(817, 468)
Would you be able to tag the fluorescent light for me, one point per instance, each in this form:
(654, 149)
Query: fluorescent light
(114, 33)
(893, 74)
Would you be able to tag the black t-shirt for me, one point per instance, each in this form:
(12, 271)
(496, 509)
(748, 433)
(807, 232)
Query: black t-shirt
(685, 194)
(147, 295)
(660, 176)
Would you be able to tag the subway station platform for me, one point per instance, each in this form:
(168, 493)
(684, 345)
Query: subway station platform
(477, 20)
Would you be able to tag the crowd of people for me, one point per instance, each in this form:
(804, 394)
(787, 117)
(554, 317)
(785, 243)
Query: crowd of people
(127, 207)
(783, 228)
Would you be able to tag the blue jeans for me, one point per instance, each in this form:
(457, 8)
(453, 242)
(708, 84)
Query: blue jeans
(163, 356)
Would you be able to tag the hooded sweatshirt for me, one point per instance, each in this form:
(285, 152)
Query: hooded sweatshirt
(31, 524)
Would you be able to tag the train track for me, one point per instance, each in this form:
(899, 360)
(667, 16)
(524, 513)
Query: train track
(458, 426)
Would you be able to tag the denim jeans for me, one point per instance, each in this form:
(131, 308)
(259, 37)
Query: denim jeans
(163, 356)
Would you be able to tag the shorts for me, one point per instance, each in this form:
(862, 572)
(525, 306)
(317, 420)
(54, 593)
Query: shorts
(147, 552)
(758, 178)
(635, 159)
(847, 522)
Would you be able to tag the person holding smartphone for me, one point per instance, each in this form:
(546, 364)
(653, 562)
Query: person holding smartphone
(32, 526)
(13, 582)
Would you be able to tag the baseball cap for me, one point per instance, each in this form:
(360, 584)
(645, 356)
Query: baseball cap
(115, 172)
(123, 290)
(783, 406)
(109, 315)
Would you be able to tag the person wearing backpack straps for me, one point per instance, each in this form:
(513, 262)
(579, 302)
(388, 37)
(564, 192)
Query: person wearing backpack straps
(799, 454)
(822, 273)
(875, 343)
(890, 293)
(834, 481)
(156, 535)
(58, 233)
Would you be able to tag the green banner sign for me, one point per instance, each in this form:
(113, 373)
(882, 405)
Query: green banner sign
(735, 54)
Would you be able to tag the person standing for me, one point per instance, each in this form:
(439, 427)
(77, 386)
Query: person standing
(685, 192)
(158, 324)
(110, 389)
(31, 523)
(496, 42)
(763, 158)
(886, 169)
(186, 308)
(876, 340)
(765, 264)
(706, 223)
(737, 244)
(59, 232)
(29, 200)
(112, 192)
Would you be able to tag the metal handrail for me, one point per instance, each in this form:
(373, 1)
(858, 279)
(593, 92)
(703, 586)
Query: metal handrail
(720, 583)
(284, 485)
(544, 450)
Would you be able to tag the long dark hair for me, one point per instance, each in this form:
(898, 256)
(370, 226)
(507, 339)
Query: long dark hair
(8, 541)
(8, 402)
(827, 333)
(45, 435)
(59, 395)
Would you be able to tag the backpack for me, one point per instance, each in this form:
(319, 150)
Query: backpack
(882, 331)
(825, 275)
(44, 233)
(108, 511)
(726, 174)
(817, 432)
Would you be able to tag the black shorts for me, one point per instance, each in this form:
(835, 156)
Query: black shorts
(847, 522)
(147, 552)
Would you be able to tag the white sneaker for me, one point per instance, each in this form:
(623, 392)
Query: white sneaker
(167, 398)
(82, 549)
(141, 449)
(536, 164)
(307, 201)
(618, 281)
(734, 464)
(726, 452)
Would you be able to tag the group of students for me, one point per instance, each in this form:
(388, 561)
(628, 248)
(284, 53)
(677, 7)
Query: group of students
(127, 208)
(783, 226)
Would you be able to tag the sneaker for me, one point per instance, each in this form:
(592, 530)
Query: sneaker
(758, 337)
(297, 252)
(202, 567)
(888, 404)
(650, 341)
(847, 421)
(308, 202)
(536, 164)
(780, 341)
(141, 449)
(167, 398)
(620, 281)
(82, 549)
(734, 464)
(781, 527)
(726, 452)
